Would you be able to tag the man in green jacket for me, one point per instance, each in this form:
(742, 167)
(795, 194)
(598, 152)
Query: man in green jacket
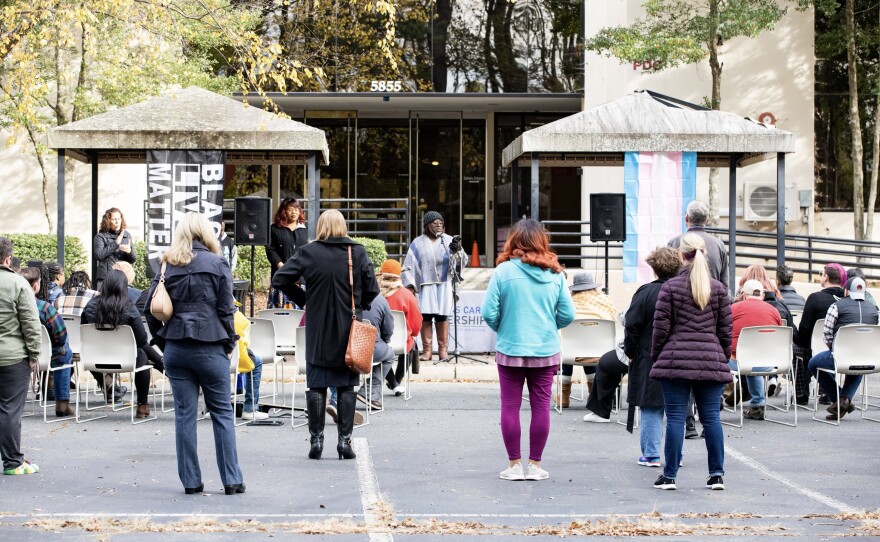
(19, 351)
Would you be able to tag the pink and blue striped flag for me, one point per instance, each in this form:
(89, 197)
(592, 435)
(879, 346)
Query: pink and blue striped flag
(658, 187)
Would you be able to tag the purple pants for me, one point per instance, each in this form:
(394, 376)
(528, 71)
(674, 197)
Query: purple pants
(540, 383)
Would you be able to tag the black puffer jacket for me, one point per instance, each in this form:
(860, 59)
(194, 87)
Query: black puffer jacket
(690, 343)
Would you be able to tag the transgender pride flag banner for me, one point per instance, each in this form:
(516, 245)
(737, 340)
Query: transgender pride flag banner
(658, 187)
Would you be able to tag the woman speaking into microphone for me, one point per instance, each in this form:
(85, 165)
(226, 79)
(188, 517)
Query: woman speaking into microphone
(428, 272)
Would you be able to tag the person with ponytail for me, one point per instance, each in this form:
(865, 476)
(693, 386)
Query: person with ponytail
(693, 332)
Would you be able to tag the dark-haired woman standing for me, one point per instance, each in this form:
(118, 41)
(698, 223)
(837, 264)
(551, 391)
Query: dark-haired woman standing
(114, 308)
(287, 234)
(527, 303)
(112, 244)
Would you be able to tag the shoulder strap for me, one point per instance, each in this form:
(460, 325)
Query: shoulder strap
(162, 272)
(351, 284)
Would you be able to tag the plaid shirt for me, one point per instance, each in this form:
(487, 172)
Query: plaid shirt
(53, 322)
(74, 302)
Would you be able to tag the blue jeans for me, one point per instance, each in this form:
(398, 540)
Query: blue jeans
(825, 360)
(651, 434)
(707, 395)
(62, 378)
(253, 379)
(755, 385)
(191, 365)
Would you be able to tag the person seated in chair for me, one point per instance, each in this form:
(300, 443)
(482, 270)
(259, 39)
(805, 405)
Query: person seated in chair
(246, 357)
(401, 299)
(851, 309)
(589, 302)
(379, 315)
(752, 311)
(61, 352)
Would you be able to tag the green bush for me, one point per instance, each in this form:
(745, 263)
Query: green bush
(261, 267)
(375, 250)
(141, 280)
(44, 246)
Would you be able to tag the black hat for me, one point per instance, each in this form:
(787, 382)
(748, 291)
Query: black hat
(431, 216)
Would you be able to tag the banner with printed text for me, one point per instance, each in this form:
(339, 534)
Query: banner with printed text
(179, 182)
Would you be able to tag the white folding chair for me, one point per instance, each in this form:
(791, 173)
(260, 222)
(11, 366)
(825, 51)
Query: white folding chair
(72, 323)
(398, 344)
(300, 344)
(583, 338)
(817, 340)
(286, 321)
(856, 351)
(111, 351)
(796, 317)
(45, 366)
(764, 351)
(263, 344)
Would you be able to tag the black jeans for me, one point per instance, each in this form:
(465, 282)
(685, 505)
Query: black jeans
(395, 378)
(14, 381)
(609, 373)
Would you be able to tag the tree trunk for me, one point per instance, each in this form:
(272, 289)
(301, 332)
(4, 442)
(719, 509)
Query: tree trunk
(715, 66)
(441, 31)
(875, 165)
(855, 124)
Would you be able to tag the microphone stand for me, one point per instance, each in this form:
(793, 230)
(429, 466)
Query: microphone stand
(454, 269)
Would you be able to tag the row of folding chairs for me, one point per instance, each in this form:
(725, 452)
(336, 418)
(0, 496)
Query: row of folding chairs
(762, 351)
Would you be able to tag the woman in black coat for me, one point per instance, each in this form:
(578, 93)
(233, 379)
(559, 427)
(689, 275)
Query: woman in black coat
(287, 234)
(112, 244)
(645, 392)
(323, 265)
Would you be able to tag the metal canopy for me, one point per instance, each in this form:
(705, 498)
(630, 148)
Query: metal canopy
(188, 119)
(646, 121)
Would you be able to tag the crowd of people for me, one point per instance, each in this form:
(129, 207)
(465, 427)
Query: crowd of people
(678, 350)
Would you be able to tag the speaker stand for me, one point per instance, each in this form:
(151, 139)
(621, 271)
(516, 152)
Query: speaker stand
(251, 287)
(606, 268)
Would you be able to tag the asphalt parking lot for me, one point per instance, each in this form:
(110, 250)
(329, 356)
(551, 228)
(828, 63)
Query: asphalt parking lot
(427, 469)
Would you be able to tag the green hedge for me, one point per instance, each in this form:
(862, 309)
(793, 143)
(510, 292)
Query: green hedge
(375, 250)
(44, 246)
(261, 267)
(141, 280)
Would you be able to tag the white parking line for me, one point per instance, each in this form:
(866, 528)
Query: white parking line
(369, 487)
(815, 495)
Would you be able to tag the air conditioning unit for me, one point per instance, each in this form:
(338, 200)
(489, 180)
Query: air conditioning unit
(759, 203)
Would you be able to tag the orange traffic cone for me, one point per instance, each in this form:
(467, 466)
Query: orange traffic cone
(475, 255)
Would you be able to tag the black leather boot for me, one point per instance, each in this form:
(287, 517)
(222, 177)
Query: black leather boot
(316, 404)
(345, 405)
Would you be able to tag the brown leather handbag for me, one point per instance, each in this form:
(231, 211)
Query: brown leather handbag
(361, 338)
(160, 305)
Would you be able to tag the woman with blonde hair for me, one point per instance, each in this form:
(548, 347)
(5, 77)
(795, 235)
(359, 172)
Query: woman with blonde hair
(691, 345)
(327, 264)
(197, 342)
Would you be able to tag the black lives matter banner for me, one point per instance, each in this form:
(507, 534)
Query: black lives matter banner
(179, 182)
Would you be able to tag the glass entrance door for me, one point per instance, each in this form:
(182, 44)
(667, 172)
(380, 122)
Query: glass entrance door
(448, 173)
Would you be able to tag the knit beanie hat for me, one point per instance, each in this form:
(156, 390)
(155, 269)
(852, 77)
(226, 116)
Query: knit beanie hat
(431, 216)
(391, 267)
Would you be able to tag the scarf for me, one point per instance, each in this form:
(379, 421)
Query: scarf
(388, 284)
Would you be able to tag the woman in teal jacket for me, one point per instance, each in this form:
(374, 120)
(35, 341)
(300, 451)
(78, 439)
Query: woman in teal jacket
(527, 304)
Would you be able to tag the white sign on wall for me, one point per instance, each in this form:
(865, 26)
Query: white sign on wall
(475, 335)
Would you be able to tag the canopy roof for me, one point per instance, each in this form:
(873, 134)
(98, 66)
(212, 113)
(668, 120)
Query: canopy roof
(190, 119)
(647, 121)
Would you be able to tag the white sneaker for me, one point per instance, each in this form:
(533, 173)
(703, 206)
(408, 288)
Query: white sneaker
(592, 417)
(536, 473)
(255, 415)
(398, 391)
(513, 473)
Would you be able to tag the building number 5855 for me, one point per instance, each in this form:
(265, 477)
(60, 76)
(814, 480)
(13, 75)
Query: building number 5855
(385, 86)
